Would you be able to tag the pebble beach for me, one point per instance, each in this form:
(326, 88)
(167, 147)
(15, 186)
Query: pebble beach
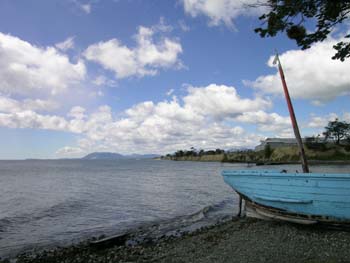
(236, 240)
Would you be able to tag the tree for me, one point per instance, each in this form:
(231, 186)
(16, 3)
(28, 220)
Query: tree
(337, 130)
(225, 158)
(219, 151)
(267, 151)
(290, 16)
(179, 153)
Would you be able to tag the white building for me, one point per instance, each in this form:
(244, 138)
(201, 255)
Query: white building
(276, 142)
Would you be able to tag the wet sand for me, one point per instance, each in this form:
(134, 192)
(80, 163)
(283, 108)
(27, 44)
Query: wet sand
(237, 240)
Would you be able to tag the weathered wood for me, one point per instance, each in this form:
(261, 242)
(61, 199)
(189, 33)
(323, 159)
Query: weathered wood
(118, 240)
(239, 206)
(322, 196)
(261, 212)
(292, 117)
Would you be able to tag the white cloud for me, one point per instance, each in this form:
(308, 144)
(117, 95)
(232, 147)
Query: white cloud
(170, 125)
(222, 101)
(102, 80)
(162, 26)
(206, 117)
(26, 69)
(86, 8)
(266, 121)
(68, 151)
(221, 11)
(113, 56)
(310, 74)
(99, 80)
(33, 120)
(9, 105)
(39, 105)
(169, 92)
(95, 94)
(321, 121)
(66, 44)
(77, 112)
(183, 26)
(144, 59)
(346, 116)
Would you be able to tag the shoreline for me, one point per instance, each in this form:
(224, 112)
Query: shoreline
(147, 232)
(311, 162)
(236, 240)
(257, 163)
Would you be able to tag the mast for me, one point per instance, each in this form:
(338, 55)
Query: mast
(292, 116)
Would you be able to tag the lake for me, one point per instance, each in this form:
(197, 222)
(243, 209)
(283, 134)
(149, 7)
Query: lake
(46, 203)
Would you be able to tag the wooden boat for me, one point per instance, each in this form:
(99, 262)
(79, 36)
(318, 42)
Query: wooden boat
(305, 198)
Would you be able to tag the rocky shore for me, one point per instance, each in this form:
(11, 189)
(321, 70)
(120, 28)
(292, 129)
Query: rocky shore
(237, 240)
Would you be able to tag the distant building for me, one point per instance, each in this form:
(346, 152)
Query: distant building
(276, 143)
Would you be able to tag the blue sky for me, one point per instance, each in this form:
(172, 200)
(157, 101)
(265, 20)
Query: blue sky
(138, 76)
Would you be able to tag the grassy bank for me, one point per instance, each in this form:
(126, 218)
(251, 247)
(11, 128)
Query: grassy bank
(326, 153)
(243, 240)
(202, 158)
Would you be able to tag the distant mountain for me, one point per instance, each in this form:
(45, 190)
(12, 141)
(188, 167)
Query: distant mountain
(103, 155)
(117, 156)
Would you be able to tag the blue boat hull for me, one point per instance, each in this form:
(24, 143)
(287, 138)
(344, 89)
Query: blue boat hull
(313, 197)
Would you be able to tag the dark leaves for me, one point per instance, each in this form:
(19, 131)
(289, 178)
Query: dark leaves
(291, 16)
(298, 33)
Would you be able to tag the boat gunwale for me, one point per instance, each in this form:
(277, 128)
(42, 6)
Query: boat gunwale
(320, 219)
(265, 173)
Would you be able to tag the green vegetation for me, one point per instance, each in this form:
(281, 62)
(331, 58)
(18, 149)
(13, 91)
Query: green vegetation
(337, 130)
(267, 151)
(196, 155)
(335, 146)
(217, 155)
(290, 154)
(291, 16)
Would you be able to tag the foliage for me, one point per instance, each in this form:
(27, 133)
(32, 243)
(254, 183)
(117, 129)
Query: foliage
(225, 158)
(179, 153)
(290, 16)
(219, 151)
(318, 151)
(313, 143)
(194, 152)
(337, 130)
(347, 148)
(267, 151)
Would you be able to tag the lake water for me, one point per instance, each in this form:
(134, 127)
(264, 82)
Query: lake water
(45, 203)
(48, 203)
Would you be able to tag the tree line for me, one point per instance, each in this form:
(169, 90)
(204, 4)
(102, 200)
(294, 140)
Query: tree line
(194, 152)
(336, 131)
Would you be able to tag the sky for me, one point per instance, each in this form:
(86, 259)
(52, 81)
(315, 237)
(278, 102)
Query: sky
(134, 76)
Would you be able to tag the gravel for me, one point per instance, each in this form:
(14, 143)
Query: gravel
(237, 240)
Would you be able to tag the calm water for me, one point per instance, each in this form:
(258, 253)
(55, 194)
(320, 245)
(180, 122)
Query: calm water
(45, 203)
(49, 203)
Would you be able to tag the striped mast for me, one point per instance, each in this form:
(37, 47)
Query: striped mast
(292, 116)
